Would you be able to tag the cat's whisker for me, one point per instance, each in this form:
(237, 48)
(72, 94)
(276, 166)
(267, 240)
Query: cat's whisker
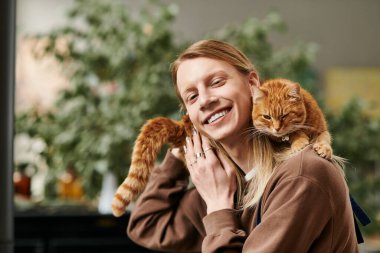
(259, 133)
(251, 132)
(249, 129)
(247, 132)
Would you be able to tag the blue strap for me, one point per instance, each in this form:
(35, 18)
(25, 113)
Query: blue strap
(258, 219)
(361, 216)
(357, 211)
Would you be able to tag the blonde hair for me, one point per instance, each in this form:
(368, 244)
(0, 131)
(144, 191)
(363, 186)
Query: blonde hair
(262, 151)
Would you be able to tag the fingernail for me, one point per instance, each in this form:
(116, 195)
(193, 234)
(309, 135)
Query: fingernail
(195, 131)
(185, 149)
(187, 139)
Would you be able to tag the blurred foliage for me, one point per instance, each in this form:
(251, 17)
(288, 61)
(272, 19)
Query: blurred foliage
(118, 65)
(356, 136)
(252, 37)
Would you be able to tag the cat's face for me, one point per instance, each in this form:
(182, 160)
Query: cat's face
(217, 97)
(278, 108)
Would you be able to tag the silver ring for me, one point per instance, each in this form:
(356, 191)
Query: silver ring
(207, 149)
(198, 155)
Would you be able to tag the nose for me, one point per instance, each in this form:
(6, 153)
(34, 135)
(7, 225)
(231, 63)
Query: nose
(206, 99)
(276, 125)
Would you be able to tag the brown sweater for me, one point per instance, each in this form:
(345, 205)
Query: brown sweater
(305, 208)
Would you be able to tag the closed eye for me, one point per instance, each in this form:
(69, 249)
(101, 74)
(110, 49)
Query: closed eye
(191, 97)
(284, 116)
(217, 82)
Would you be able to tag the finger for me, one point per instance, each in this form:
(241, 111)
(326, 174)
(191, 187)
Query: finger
(189, 154)
(208, 150)
(198, 151)
(189, 147)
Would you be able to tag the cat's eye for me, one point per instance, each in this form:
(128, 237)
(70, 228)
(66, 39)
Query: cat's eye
(268, 117)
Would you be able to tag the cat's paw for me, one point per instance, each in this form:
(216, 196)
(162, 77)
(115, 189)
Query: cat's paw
(323, 150)
(298, 146)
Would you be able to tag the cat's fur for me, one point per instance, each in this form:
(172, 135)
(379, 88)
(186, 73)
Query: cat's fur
(285, 111)
(153, 135)
(275, 97)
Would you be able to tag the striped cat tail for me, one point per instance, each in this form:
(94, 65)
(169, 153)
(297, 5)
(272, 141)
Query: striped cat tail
(153, 135)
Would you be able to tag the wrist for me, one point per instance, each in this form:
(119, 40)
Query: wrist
(221, 220)
(213, 207)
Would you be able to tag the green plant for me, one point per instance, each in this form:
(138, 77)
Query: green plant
(356, 137)
(118, 71)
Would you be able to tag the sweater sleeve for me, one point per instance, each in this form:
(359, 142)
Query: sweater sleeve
(222, 232)
(166, 214)
(293, 217)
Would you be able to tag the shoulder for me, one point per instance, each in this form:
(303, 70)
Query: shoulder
(313, 168)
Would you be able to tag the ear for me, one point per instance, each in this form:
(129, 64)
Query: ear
(257, 94)
(253, 79)
(294, 92)
(254, 82)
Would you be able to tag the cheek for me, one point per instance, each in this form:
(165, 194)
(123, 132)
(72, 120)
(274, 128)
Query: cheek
(295, 121)
(193, 116)
(245, 106)
(292, 123)
(296, 117)
(257, 119)
(266, 123)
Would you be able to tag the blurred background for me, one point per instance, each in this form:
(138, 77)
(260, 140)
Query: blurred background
(90, 73)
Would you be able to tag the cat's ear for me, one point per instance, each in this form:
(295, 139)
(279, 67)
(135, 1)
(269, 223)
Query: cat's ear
(294, 92)
(257, 94)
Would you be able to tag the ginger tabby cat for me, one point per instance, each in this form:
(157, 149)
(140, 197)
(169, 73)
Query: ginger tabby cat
(285, 111)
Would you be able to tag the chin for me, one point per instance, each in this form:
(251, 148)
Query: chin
(277, 134)
(224, 134)
(215, 135)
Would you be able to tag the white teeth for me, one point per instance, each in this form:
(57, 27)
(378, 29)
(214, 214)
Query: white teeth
(216, 116)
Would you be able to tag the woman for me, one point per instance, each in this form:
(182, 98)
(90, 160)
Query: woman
(299, 205)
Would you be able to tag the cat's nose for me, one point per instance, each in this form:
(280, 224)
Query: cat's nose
(276, 128)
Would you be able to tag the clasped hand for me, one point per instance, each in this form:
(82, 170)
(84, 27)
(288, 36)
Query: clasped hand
(210, 172)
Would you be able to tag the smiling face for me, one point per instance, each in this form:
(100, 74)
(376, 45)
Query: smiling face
(217, 97)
